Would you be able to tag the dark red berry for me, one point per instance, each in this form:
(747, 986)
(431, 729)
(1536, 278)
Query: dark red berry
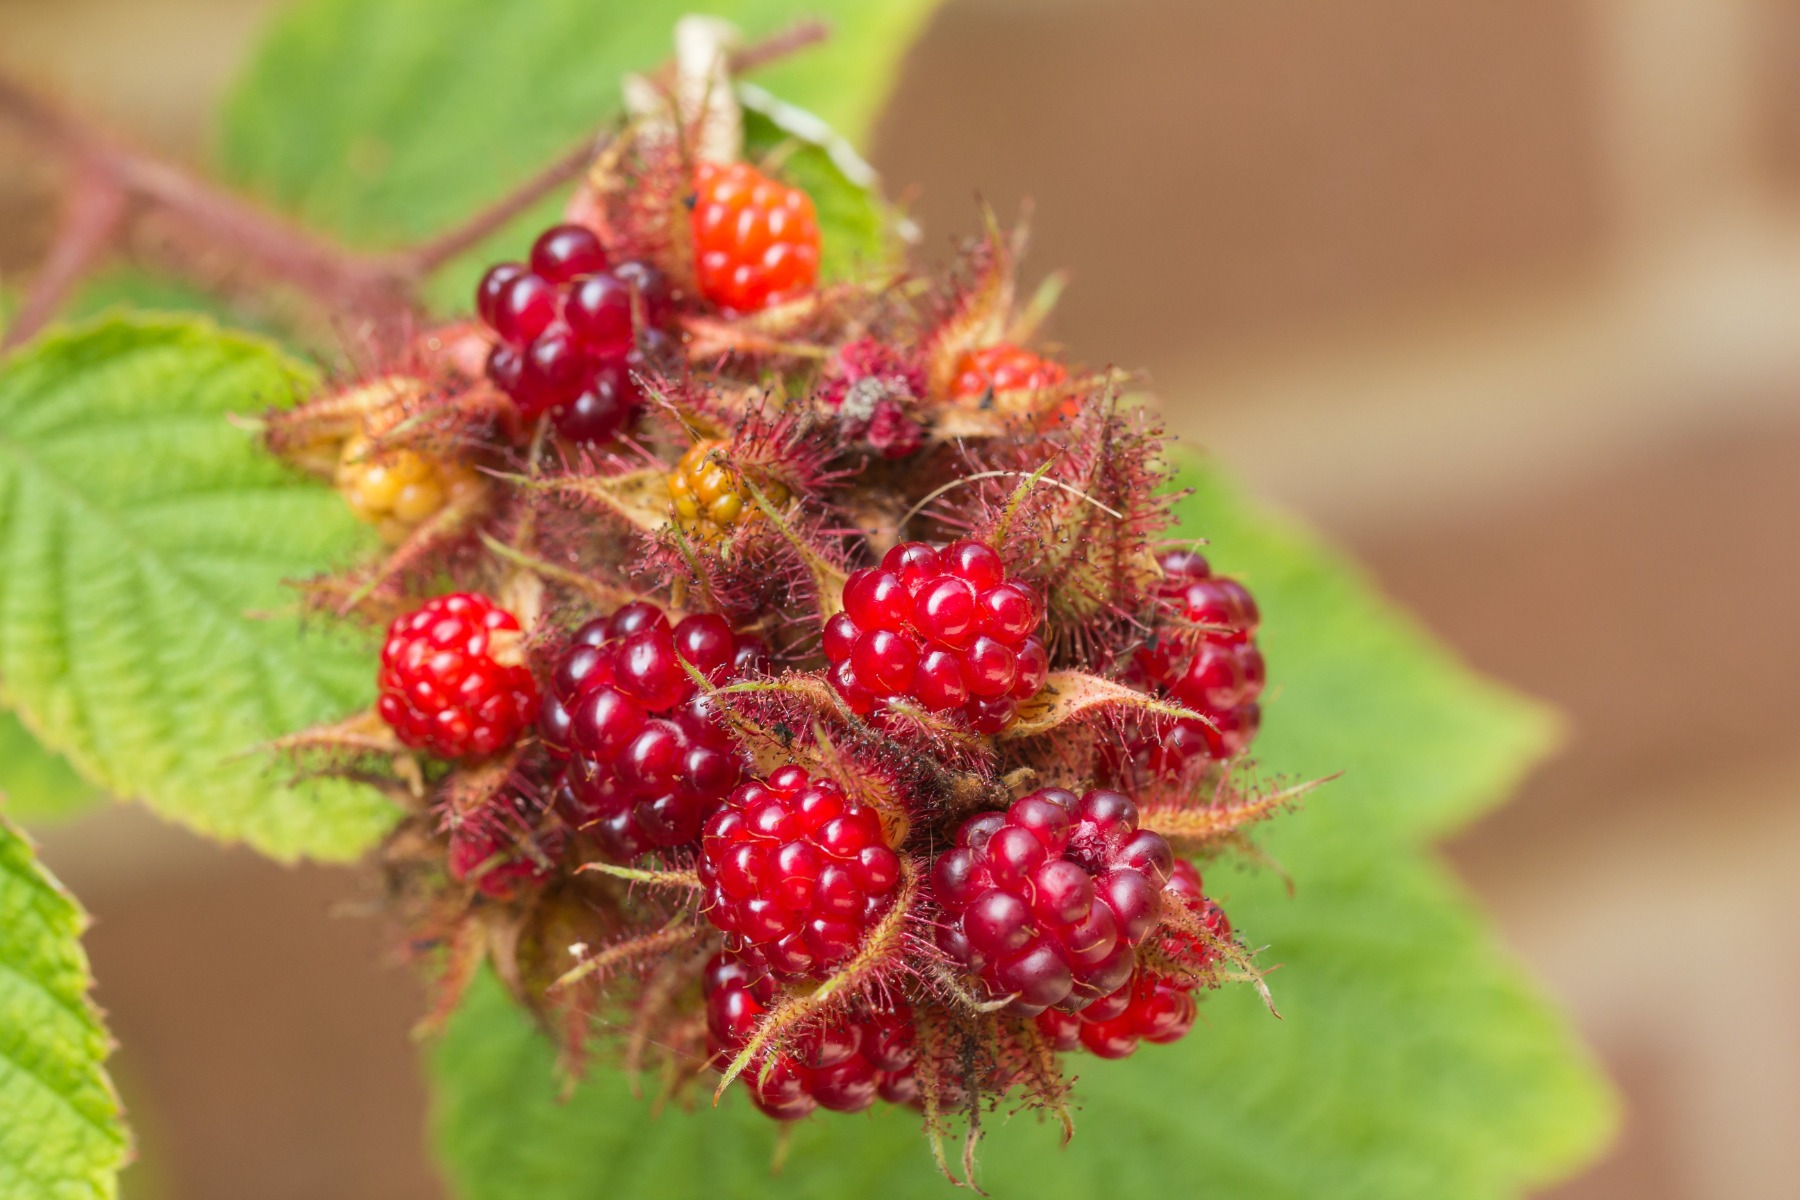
(571, 331)
(524, 307)
(796, 872)
(647, 758)
(944, 629)
(1151, 1006)
(444, 689)
(1210, 664)
(564, 252)
(1047, 902)
(843, 1066)
(602, 410)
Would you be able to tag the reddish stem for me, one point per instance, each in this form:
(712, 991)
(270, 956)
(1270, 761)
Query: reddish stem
(381, 289)
(92, 215)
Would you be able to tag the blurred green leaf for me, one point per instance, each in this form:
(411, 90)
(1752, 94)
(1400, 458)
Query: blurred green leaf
(62, 1137)
(388, 120)
(1415, 1060)
(37, 784)
(140, 534)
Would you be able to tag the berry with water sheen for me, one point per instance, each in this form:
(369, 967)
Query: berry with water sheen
(443, 687)
(1048, 901)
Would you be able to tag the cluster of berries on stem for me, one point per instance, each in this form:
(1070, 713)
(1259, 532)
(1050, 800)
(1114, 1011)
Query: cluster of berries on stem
(850, 719)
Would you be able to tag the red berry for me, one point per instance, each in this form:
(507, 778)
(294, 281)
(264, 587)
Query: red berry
(756, 241)
(843, 1066)
(1048, 901)
(796, 872)
(1212, 665)
(942, 628)
(1003, 368)
(443, 689)
(570, 330)
(497, 851)
(1150, 1007)
(647, 758)
(563, 252)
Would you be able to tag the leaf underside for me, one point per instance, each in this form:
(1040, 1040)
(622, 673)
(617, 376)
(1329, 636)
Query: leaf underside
(61, 1136)
(140, 536)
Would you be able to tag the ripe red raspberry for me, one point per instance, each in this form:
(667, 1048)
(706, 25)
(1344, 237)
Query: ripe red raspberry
(647, 757)
(447, 687)
(756, 241)
(843, 1067)
(1048, 901)
(1151, 1007)
(1003, 368)
(497, 850)
(571, 329)
(1217, 670)
(796, 872)
(944, 628)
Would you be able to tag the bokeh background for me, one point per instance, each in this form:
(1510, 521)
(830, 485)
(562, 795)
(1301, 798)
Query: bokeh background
(1502, 294)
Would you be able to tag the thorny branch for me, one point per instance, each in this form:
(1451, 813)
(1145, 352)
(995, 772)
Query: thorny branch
(379, 289)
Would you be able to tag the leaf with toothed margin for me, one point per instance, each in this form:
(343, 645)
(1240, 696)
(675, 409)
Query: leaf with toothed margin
(39, 785)
(1414, 1060)
(62, 1136)
(140, 536)
(386, 121)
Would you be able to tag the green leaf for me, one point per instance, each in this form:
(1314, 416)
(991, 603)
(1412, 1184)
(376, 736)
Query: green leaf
(140, 535)
(387, 120)
(62, 1137)
(854, 226)
(1415, 1060)
(39, 785)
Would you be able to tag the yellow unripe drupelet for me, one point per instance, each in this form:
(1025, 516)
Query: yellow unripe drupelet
(399, 490)
(708, 496)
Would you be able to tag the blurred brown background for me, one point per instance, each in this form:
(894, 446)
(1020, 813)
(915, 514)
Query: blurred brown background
(1503, 294)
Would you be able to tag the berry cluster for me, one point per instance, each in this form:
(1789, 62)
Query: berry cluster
(944, 629)
(795, 872)
(844, 1066)
(572, 327)
(1048, 901)
(647, 759)
(822, 865)
(450, 681)
(756, 241)
(1211, 666)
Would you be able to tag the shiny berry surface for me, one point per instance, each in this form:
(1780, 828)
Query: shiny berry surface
(1003, 368)
(1211, 665)
(444, 689)
(1151, 1006)
(399, 490)
(844, 1066)
(646, 756)
(756, 241)
(1048, 901)
(570, 326)
(795, 872)
(942, 629)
